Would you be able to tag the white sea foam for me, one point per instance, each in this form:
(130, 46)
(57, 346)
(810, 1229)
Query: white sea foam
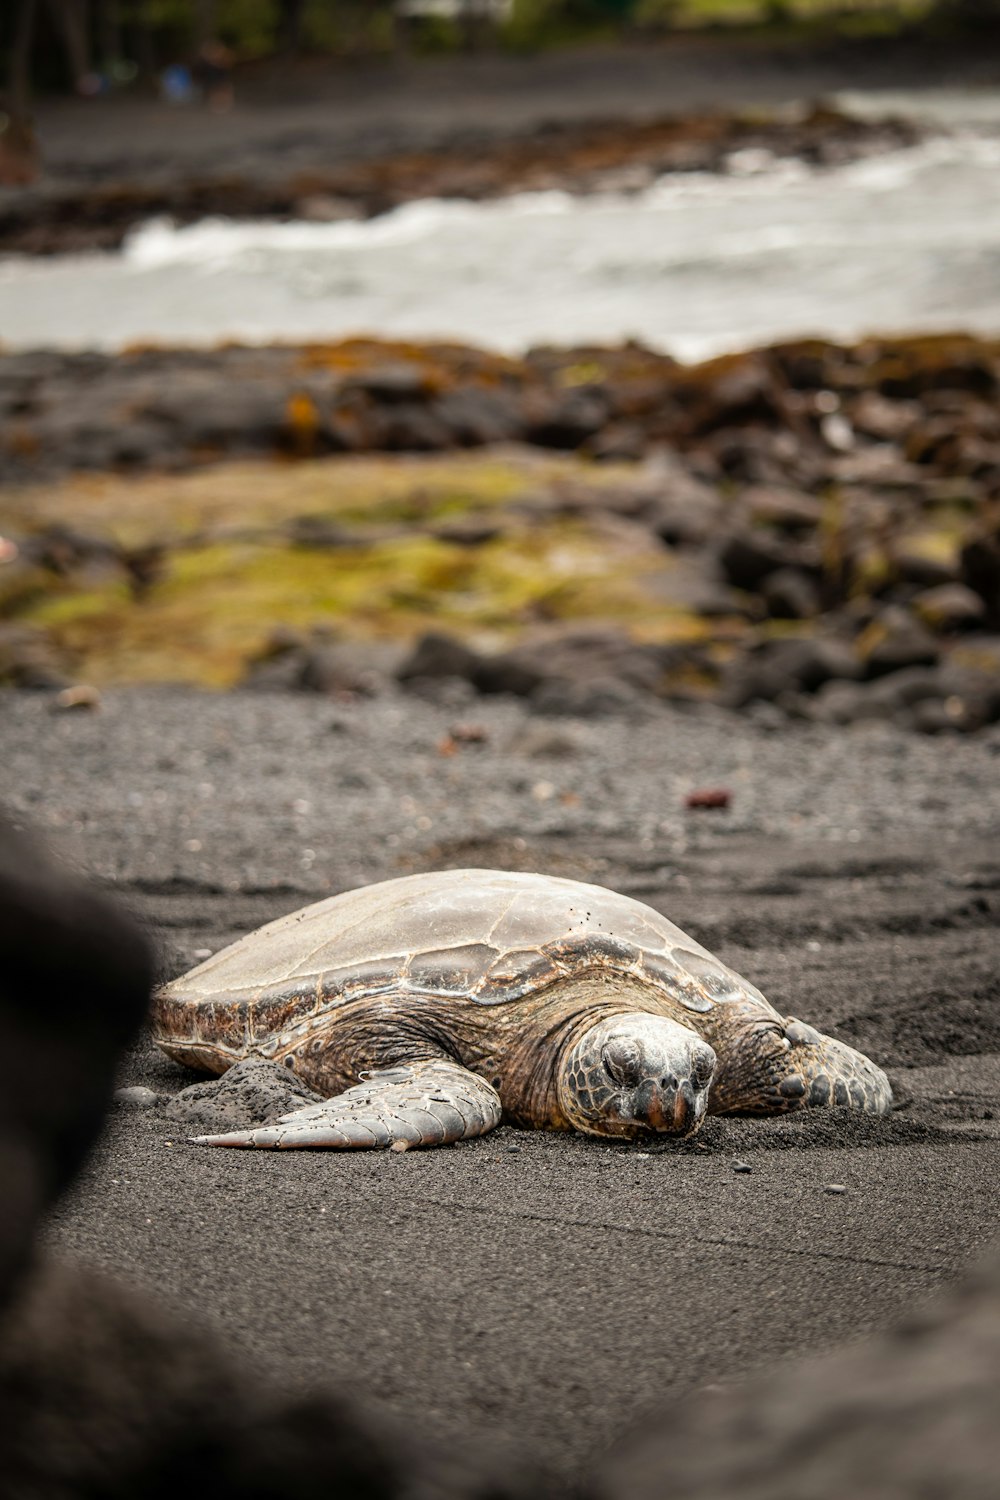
(695, 263)
(218, 241)
(975, 107)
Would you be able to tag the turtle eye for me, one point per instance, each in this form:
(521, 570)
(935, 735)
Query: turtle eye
(702, 1068)
(798, 1034)
(772, 1028)
(622, 1061)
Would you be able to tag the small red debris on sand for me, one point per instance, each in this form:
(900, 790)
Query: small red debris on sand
(469, 734)
(708, 796)
(446, 746)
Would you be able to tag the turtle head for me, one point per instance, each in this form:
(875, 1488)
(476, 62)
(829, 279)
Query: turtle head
(635, 1073)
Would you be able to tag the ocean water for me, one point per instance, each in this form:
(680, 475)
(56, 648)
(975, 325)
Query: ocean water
(694, 265)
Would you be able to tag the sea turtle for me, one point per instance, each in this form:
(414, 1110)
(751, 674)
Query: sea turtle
(427, 1007)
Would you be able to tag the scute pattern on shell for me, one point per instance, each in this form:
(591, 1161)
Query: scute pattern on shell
(489, 937)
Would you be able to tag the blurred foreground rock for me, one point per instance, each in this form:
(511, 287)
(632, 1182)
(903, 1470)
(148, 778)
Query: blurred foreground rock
(105, 1394)
(74, 985)
(909, 1416)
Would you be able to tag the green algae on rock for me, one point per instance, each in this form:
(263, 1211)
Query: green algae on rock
(792, 525)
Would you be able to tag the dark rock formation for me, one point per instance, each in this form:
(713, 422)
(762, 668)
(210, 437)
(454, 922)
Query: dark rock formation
(108, 1396)
(802, 507)
(800, 664)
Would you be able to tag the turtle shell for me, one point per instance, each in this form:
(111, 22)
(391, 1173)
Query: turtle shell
(486, 937)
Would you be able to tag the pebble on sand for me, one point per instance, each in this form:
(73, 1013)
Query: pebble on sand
(138, 1097)
(80, 696)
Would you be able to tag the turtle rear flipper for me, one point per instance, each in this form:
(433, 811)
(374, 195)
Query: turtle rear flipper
(420, 1104)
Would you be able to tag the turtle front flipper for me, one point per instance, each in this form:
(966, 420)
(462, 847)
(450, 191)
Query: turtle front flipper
(420, 1104)
(830, 1072)
(780, 1066)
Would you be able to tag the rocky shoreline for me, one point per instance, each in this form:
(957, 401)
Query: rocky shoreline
(811, 527)
(70, 215)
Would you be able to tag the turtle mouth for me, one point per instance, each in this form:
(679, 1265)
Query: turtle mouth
(670, 1106)
(689, 1109)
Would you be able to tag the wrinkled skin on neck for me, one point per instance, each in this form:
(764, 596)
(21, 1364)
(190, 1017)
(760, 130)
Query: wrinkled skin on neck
(598, 1055)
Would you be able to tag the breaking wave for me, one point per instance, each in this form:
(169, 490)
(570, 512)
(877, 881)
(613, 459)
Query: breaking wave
(693, 264)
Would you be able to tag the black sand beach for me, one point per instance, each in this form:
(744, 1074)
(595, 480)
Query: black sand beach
(550, 1288)
(543, 1290)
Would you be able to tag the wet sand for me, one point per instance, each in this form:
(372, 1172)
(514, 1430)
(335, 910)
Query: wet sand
(551, 1288)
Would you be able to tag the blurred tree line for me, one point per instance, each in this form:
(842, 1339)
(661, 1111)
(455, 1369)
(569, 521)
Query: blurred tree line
(94, 45)
(59, 43)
